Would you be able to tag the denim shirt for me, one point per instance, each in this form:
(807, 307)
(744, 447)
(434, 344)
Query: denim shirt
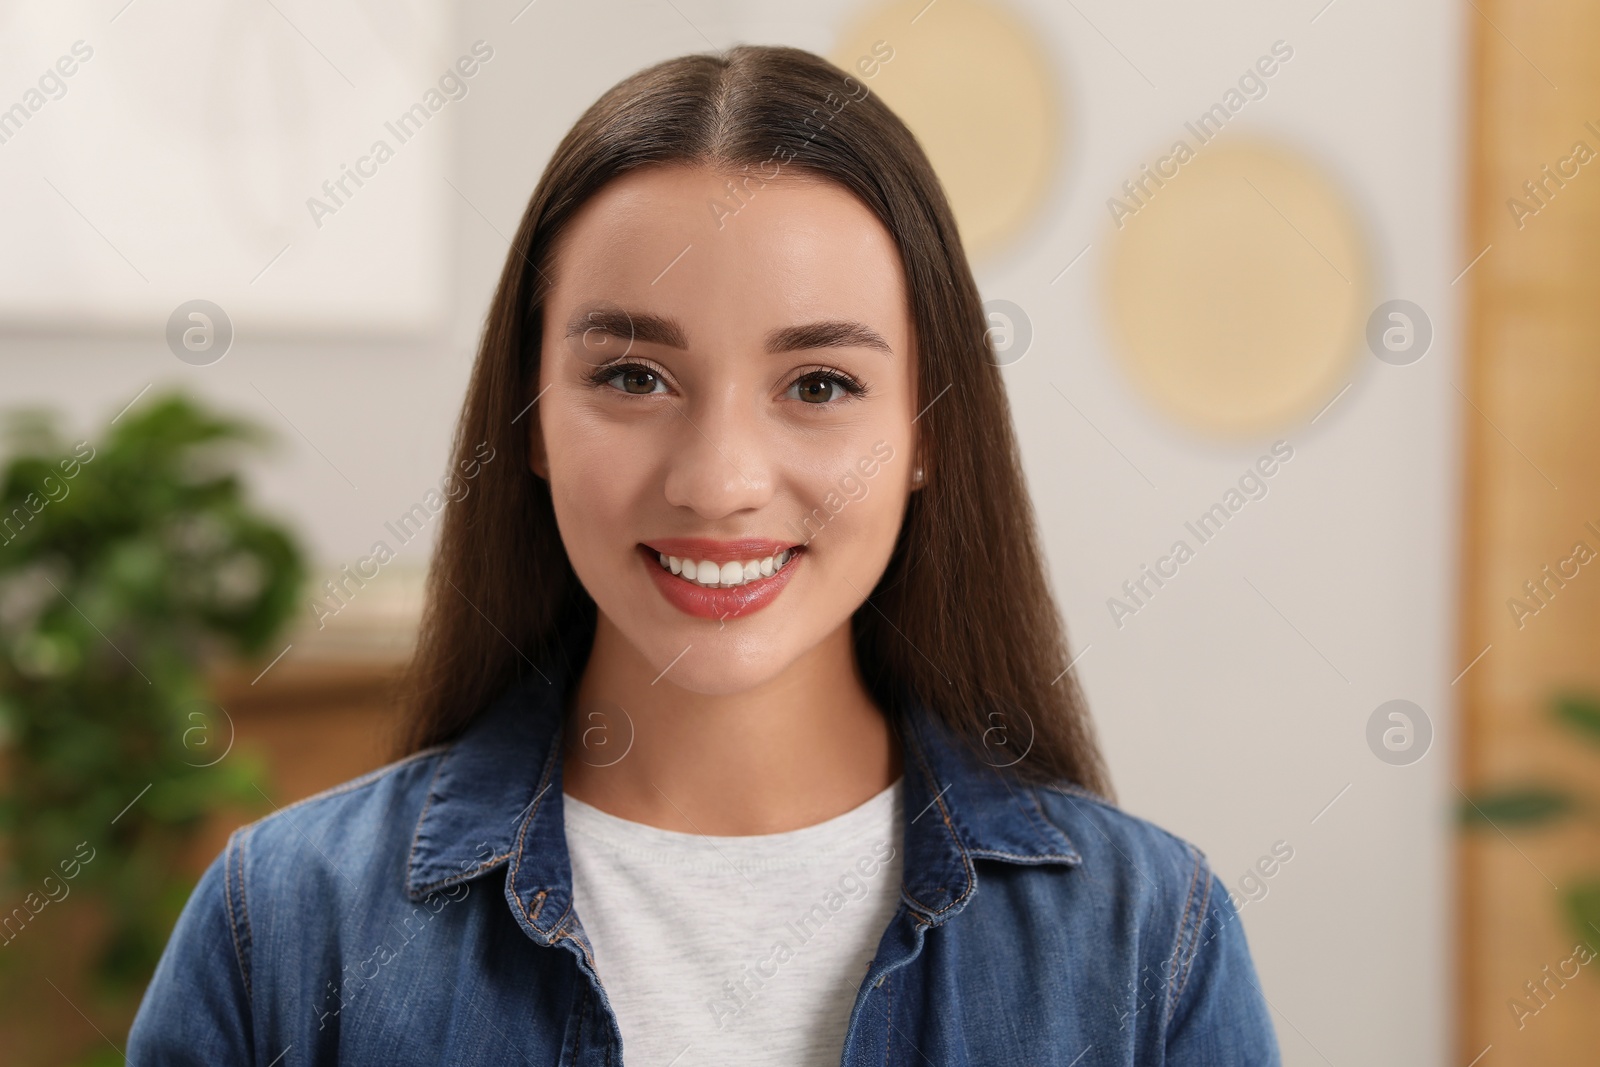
(423, 914)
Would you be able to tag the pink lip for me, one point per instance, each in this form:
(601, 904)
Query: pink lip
(703, 603)
(699, 548)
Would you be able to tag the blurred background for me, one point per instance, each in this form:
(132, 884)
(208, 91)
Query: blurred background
(1306, 288)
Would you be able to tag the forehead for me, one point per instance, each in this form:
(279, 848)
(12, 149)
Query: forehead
(677, 241)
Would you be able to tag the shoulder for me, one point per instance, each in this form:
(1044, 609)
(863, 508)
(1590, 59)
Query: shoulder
(341, 838)
(1109, 837)
(270, 909)
(372, 798)
(1153, 901)
(1161, 886)
(292, 877)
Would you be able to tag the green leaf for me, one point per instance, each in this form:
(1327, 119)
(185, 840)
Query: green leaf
(1580, 713)
(136, 556)
(1517, 806)
(1582, 905)
(100, 1057)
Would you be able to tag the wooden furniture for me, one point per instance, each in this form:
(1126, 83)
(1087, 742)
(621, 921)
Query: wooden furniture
(314, 724)
(1532, 480)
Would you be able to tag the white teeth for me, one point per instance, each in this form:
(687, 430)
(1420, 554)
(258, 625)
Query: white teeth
(723, 575)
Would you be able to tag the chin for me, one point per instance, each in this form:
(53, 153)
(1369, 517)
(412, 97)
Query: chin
(718, 662)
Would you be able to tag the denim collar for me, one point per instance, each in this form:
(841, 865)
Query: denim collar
(495, 799)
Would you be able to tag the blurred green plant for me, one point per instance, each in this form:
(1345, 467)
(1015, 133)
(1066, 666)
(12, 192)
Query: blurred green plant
(1537, 804)
(126, 566)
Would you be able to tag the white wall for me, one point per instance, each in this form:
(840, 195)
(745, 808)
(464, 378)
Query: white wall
(1224, 722)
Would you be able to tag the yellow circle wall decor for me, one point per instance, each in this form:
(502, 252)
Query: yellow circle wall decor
(972, 83)
(1236, 288)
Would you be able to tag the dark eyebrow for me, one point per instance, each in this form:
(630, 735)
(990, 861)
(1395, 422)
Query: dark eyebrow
(834, 334)
(662, 330)
(637, 326)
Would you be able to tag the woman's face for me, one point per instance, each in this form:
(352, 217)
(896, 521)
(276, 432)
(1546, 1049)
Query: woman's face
(720, 383)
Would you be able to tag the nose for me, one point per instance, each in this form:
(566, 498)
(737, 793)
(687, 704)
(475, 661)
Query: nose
(720, 460)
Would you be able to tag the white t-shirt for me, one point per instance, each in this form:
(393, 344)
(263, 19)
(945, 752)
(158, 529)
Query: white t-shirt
(735, 950)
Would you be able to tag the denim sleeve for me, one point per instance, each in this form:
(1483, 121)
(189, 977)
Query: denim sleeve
(196, 1010)
(1220, 1014)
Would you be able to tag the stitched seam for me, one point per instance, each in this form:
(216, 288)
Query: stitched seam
(527, 823)
(233, 924)
(1198, 923)
(1180, 963)
(966, 860)
(516, 866)
(244, 902)
(994, 853)
(416, 836)
(464, 876)
(888, 1018)
(567, 934)
(1180, 979)
(571, 907)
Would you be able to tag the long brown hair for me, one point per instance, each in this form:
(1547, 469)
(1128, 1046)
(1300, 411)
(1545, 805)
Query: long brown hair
(962, 621)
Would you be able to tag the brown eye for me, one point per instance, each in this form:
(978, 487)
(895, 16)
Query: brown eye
(635, 379)
(817, 389)
(638, 381)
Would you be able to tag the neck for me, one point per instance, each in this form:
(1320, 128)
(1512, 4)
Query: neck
(801, 748)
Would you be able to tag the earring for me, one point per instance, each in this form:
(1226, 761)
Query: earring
(916, 476)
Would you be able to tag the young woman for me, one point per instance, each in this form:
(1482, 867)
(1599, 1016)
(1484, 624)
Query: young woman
(740, 729)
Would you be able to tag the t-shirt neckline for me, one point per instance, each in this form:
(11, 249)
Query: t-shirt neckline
(785, 848)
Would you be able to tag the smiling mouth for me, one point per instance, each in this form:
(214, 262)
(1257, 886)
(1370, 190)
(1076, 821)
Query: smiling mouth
(708, 574)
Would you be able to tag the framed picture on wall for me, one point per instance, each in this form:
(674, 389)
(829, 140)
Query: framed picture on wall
(285, 160)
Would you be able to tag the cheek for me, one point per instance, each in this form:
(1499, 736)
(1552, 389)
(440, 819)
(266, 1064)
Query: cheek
(594, 496)
(878, 515)
(855, 517)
